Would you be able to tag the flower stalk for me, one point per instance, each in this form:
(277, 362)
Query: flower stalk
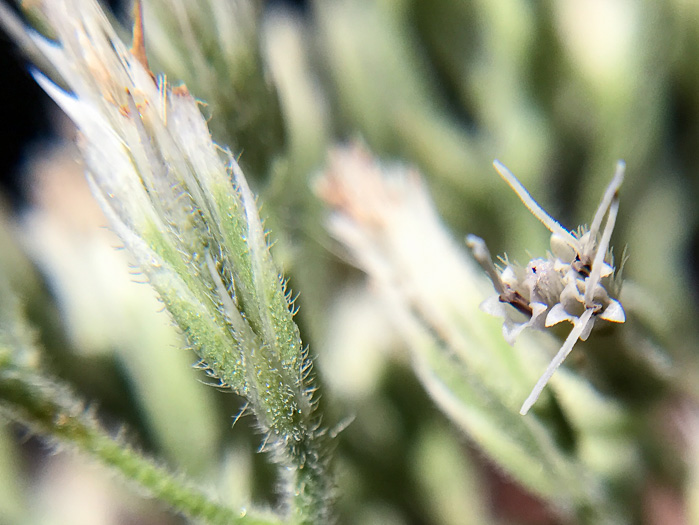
(49, 409)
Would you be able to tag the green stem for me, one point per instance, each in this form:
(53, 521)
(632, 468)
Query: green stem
(50, 409)
(311, 483)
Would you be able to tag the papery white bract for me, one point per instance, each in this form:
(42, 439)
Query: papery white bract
(574, 283)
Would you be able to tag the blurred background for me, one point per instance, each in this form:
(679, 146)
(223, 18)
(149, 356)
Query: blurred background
(558, 90)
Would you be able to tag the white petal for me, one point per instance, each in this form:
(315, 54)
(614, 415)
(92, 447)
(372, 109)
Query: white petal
(511, 330)
(614, 312)
(561, 248)
(557, 315)
(537, 310)
(606, 270)
(508, 276)
(493, 306)
(571, 296)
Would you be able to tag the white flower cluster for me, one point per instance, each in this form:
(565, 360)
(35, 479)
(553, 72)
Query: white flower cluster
(573, 283)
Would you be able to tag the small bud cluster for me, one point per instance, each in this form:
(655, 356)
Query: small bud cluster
(574, 283)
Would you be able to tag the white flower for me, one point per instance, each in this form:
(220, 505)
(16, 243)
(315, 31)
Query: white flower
(572, 284)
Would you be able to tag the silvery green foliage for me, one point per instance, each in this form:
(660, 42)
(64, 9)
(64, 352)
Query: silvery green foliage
(574, 283)
(183, 209)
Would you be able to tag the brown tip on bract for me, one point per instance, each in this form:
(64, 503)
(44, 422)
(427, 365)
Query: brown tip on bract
(180, 90)
(138, 46)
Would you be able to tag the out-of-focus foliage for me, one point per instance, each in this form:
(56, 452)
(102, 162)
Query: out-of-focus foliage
(558, 90)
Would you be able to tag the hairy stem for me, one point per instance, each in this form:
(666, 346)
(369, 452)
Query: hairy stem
(50, 409)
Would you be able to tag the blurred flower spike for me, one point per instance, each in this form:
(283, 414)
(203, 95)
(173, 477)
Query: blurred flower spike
(574, 283)
(183, 209)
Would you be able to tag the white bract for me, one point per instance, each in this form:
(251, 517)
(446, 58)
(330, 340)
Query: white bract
(574, 283)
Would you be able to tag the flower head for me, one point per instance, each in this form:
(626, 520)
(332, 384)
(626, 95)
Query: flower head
(183, 209)
(573, 283)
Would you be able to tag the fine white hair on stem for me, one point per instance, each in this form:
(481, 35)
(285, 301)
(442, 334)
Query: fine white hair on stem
(556, 362)
(552, 224)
